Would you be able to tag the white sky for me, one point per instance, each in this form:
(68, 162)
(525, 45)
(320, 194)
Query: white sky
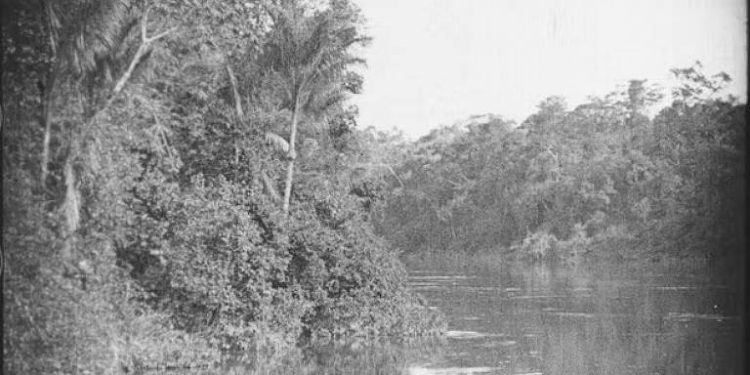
(433, 62)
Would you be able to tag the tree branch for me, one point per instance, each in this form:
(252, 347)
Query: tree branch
(236, 93)
(146, 42)
(379, 165)
(268, 184)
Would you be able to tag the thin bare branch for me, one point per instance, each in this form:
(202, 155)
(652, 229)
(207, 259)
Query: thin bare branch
(161, 35)
(401, 183)
(236, 93)
(379, 165)
(268, 185)
(142, 49)
(144, 24)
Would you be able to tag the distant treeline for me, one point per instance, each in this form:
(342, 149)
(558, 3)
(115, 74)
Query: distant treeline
(602, 179)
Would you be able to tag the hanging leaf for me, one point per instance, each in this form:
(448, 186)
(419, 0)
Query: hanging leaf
(279, 143)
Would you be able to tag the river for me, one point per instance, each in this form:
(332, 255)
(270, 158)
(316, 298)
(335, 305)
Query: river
(538, 319)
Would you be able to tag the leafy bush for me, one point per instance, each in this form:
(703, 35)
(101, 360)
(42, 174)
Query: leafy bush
(576, 245)
(538, 245)
(353, 280)
(65, 317)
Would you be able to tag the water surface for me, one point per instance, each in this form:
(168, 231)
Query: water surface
(537, 319)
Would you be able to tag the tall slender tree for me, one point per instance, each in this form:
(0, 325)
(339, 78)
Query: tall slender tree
(310, 53)
(87, 39)
(81, 38)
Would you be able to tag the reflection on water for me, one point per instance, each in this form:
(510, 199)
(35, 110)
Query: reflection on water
(524, 319)
(521, 319)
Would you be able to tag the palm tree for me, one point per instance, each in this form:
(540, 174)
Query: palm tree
(82, 37)
(86, 40)
(309, 56)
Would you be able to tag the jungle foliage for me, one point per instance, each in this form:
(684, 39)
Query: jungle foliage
(145, 146)
(638, 174)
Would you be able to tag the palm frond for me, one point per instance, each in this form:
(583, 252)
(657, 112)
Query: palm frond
(312, 53)
(279, 143)
(89, 30)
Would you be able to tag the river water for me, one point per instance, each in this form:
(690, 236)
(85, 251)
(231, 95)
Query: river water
(538, 319)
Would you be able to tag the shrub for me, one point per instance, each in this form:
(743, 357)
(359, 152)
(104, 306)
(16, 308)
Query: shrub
(576, 245)
(538, 245)
(354, 282)
(62, 317)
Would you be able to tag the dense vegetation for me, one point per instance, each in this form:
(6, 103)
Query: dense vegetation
(603, 180)
(184, 180)
(175, 190)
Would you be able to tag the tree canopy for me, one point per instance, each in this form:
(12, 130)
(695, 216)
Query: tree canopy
(601, 178)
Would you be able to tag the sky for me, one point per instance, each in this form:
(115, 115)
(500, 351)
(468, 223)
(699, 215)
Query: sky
(435, 62)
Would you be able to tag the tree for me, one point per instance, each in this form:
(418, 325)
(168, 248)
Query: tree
(93, 37)
(309, 57)
(82, 39)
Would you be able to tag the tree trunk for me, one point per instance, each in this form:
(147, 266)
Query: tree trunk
(47, 122)
(288, 187)
(292, 157)
(72, 203)
(268, 185)
(70, 208)
(45, 148)
(236, 93)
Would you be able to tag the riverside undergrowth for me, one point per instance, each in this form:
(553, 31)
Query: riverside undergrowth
(145, 149)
